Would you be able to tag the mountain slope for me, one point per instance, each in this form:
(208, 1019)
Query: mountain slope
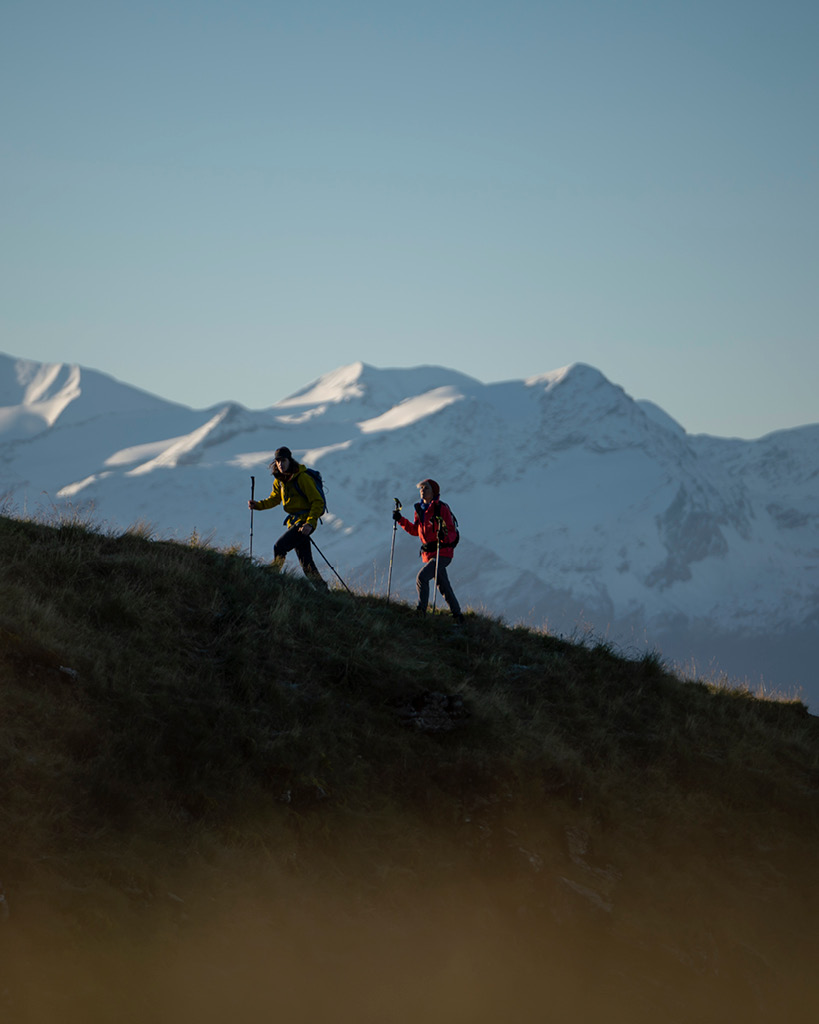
(230, 796)
(579, 507)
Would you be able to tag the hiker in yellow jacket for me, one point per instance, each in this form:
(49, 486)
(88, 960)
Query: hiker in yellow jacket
(295, 491)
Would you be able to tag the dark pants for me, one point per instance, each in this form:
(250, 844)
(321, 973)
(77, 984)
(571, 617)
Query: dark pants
(426, 575)
(304, 551)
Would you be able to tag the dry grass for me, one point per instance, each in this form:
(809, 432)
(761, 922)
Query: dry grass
(195, 749)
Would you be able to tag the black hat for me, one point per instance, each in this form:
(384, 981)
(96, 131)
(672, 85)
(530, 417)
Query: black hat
(282, 453)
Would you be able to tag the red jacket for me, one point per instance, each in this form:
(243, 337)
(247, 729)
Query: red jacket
(425, 527)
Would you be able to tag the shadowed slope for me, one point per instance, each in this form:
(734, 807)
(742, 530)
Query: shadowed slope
(227, 793)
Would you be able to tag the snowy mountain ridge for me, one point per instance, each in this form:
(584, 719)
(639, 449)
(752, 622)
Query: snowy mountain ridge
(580, 508)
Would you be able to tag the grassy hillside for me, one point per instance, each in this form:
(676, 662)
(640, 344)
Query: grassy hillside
(228, 795)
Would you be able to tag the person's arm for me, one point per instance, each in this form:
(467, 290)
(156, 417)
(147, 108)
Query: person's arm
(311, 493)
(274, 499)
(405, 524)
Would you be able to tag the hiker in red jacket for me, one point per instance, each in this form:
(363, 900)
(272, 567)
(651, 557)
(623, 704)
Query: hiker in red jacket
(436, 529)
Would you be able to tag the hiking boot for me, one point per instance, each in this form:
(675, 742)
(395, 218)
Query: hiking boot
(457, 618)
(420, 612)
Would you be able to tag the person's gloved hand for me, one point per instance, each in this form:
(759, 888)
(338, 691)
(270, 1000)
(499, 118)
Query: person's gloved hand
(429, 547)
(397, 516)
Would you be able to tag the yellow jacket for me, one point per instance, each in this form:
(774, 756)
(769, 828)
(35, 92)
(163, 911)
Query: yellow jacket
(298, 496)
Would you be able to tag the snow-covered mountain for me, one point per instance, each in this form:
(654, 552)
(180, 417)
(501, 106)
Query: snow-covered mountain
(580, 508)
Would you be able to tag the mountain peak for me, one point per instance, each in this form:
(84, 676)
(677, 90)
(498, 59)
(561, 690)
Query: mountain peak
(339, 385)
(577, 374)
(373, 387)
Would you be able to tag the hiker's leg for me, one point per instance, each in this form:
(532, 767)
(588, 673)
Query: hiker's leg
(284, 545)
(445, 587)
(422, 581)
(304, 553)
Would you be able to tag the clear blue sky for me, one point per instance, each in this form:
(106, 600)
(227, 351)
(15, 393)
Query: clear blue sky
(223, 200)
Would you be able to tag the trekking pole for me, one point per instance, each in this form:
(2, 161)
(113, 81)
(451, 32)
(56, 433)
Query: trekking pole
(398, 507)
(439, 523)
(325, 559)
(252, 498)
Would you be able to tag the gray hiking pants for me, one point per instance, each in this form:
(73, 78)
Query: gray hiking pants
(426, 575)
